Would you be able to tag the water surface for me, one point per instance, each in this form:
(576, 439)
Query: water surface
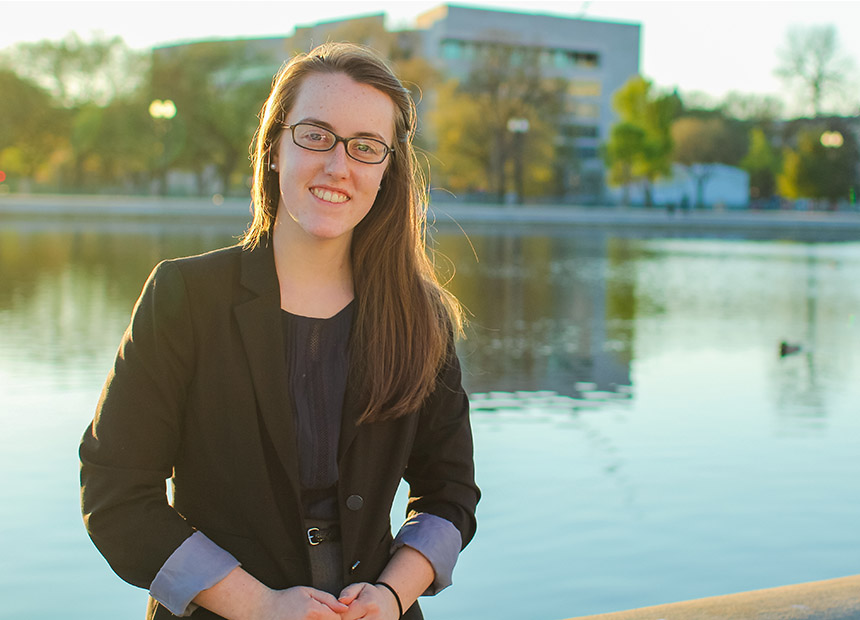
(639, 440)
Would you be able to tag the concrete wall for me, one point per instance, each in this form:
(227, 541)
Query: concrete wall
(834, 599)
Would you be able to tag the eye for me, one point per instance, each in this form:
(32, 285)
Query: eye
(313, 136)
(367, 147)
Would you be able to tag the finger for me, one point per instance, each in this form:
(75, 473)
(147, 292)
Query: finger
(351, 592)
(328, 600)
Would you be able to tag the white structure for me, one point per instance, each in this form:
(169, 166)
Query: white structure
(595, 57)
(722, 187)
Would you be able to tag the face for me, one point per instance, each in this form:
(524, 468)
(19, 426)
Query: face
(324, 195)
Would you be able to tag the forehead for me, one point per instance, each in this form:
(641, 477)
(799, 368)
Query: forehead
(348, 106)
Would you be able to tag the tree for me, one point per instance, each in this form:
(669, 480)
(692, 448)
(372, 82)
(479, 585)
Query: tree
(76, 71)
(812, 59)
(762, 163)
(812, 170)
(30, 127)
(463, 140)
(218, 88)
(700, 141)
(471, 124)
(751, 107)
(641, 149)
(625, 145)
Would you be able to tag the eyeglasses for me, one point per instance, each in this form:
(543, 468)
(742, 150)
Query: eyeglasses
(316, 138)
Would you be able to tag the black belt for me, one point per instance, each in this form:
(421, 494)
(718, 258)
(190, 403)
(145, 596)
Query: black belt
(317, 535)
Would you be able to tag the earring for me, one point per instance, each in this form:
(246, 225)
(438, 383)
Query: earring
(273, 166)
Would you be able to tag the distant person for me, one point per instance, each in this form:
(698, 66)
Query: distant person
(288, 383)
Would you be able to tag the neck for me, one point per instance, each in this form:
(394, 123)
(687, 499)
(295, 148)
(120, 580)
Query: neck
(315, 276)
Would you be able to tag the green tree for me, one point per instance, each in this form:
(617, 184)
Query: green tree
(77, 72)
(30, 128)
(812, 170)
(218, 88)
(84, 79)
(645, 154)
(622, 150)
(762, 163)
(700, 141)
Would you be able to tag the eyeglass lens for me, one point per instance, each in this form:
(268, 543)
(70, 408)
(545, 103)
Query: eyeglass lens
(367, 150)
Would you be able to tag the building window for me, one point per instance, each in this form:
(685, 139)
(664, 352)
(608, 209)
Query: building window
(452, 50)
(581, 109)
(567, 59)
(580, 131)
(455, 49)
(588, 60)
(584, 88)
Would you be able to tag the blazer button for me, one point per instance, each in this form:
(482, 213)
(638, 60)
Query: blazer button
(354, 502)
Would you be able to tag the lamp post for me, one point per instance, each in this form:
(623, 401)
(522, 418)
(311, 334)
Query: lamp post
(161, 112)
(833, 140)
(519, 127)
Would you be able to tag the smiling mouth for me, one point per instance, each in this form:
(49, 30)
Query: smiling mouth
(329, 196)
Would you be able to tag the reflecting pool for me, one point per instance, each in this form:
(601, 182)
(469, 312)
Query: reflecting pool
(639, 437)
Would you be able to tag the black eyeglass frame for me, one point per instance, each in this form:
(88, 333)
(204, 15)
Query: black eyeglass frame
(388, 149)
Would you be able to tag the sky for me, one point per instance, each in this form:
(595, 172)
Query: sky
(707, 46)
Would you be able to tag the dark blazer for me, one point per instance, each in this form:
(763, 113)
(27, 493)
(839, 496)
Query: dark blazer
(199, 392)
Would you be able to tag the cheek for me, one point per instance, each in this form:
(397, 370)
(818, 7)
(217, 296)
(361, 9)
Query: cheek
(293, 169)
(384, 174)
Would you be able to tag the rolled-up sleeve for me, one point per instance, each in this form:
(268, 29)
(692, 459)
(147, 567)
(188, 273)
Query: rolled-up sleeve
(441, 468)
(196, 565)
(437, 540)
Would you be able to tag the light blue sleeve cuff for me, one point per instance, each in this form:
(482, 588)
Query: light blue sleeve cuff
(197, 564)
(437, 540)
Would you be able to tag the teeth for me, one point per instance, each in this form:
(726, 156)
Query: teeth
(330, 196)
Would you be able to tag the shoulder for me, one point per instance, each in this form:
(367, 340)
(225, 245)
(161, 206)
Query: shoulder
(211, 267)
(200, 277)
(215, 260)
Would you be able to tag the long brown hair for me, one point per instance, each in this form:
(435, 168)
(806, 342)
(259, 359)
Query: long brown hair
(403, 315)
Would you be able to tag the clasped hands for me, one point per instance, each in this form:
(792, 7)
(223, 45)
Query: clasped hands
(357, 601)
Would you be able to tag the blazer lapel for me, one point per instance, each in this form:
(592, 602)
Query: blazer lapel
(259, 324)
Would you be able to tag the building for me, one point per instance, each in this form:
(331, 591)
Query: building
(596, 58)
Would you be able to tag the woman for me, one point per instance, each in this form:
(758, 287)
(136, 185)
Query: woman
(287, 384)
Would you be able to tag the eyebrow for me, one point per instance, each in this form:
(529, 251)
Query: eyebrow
(360, 134)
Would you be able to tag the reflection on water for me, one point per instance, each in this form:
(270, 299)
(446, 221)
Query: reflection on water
(639, 438)
(549, 312)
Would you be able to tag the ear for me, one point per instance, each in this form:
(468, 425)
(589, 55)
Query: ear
(272, 162)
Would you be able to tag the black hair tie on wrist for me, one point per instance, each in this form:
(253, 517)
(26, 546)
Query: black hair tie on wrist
(396, 597)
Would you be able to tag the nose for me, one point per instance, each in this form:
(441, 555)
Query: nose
(337, 162)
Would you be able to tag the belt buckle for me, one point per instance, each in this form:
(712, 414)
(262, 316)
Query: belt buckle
(312, 536)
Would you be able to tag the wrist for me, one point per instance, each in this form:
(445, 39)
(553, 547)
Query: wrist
(385, 586)
(265, 601)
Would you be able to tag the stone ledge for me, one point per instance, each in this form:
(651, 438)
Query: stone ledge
(833, 599)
